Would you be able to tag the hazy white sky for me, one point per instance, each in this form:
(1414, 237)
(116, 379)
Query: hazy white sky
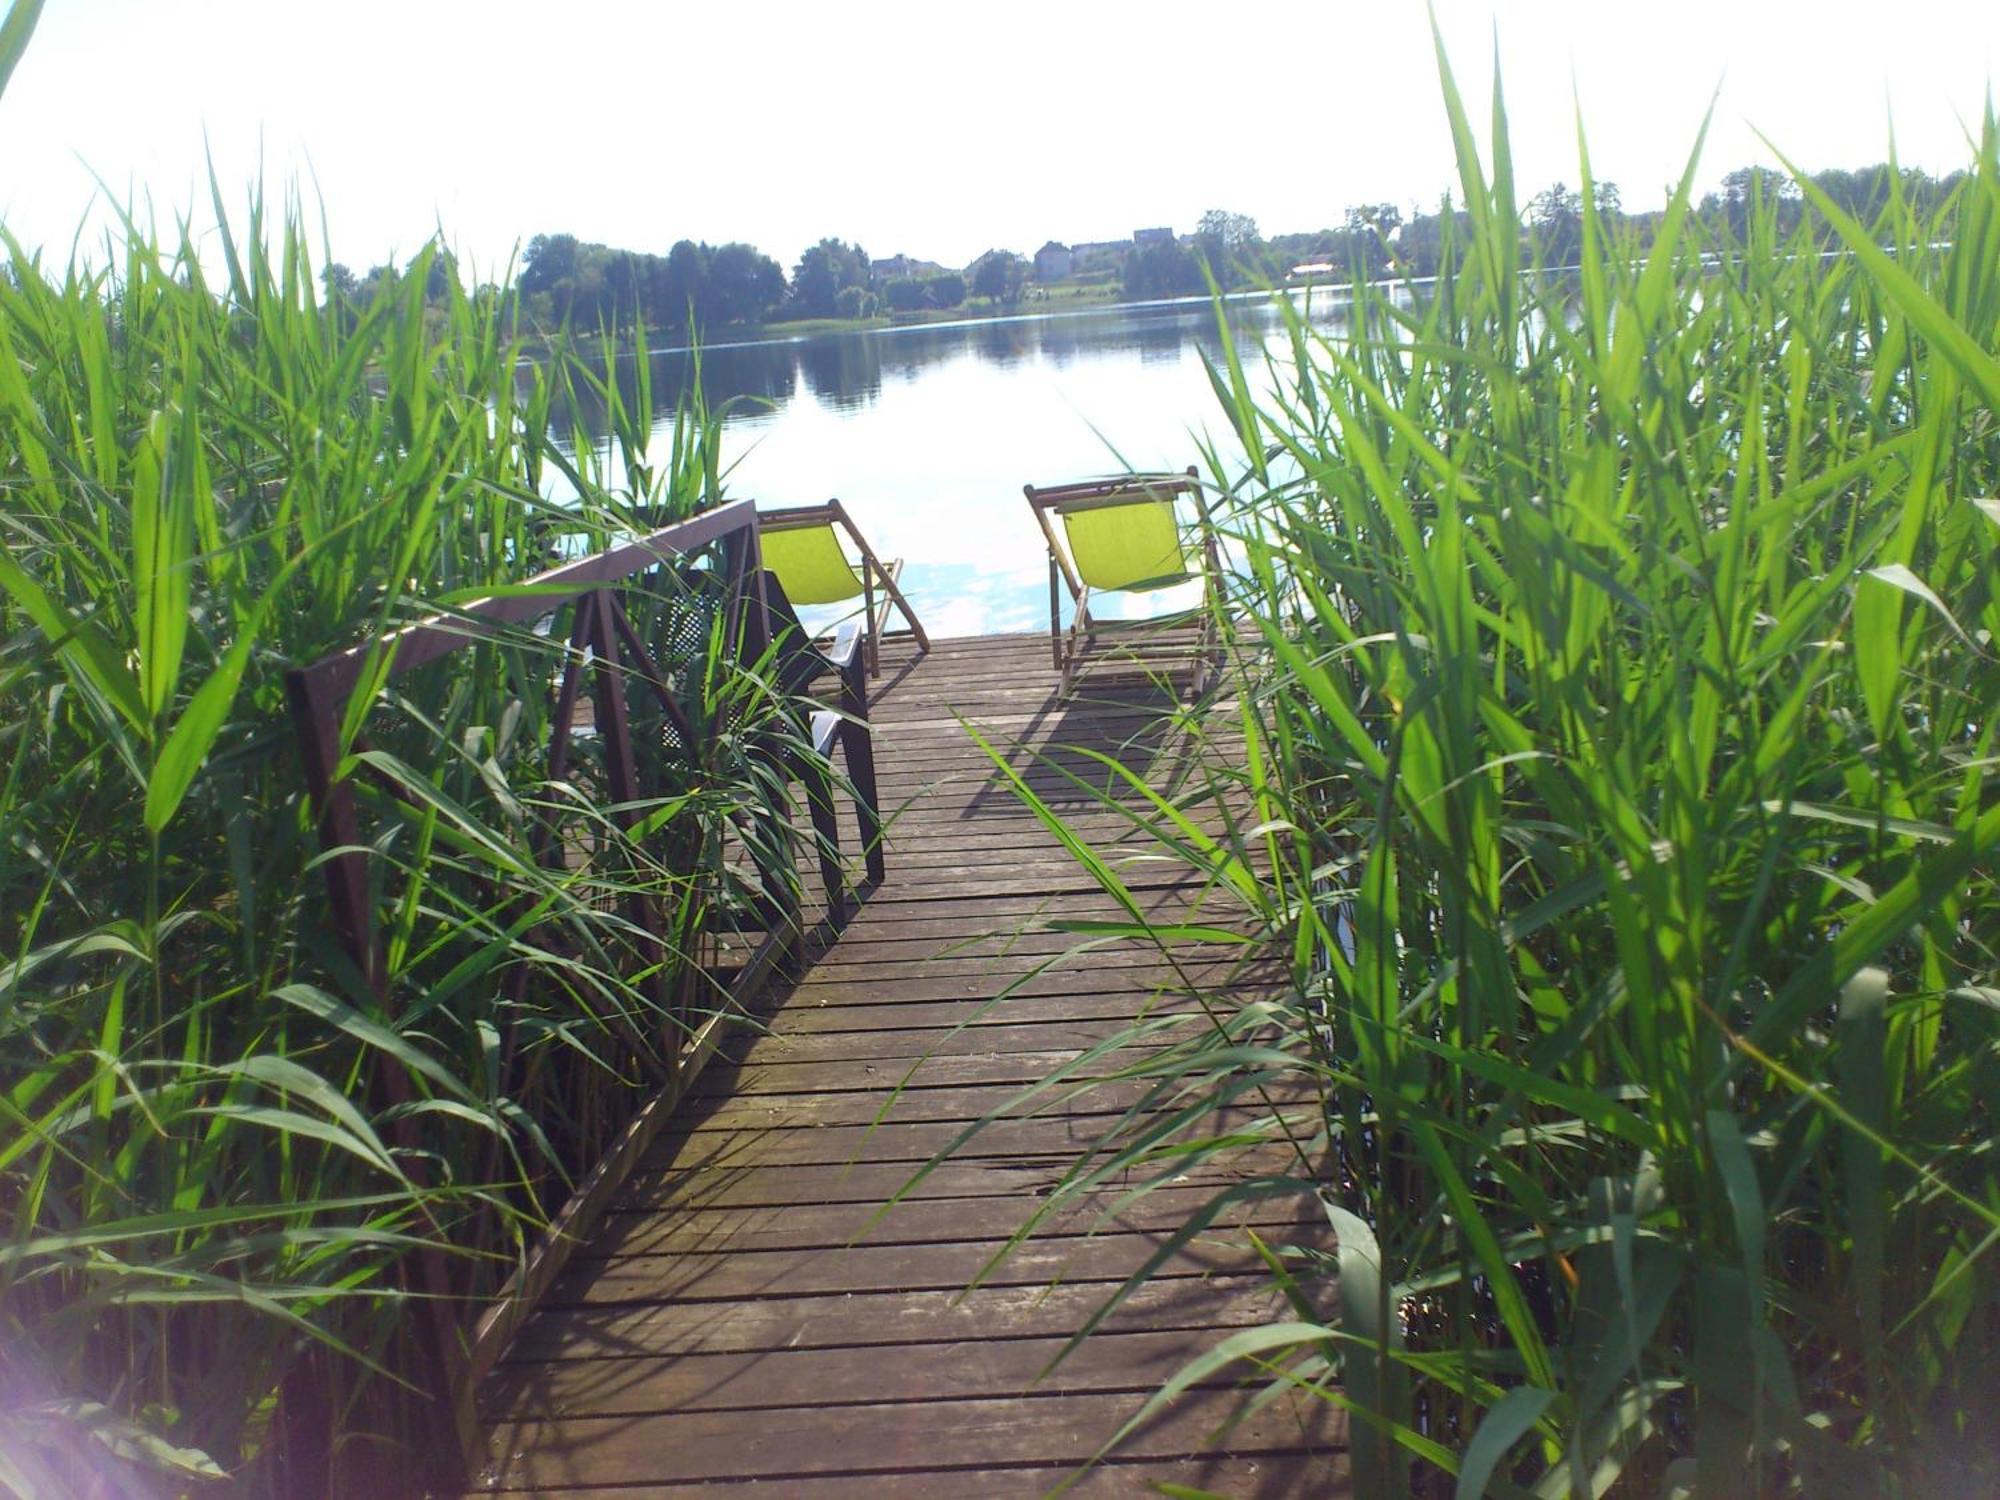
(933, 129)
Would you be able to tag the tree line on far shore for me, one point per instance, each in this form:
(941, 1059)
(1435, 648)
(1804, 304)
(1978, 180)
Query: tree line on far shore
(1376, 239)
(567, 281)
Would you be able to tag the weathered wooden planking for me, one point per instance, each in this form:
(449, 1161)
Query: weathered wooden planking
(750, 1318)
(1130, 985)
(1127, 1361)
(899, 1317)
(736, 1275)
(1021, 1178)
(720, 1114)
(1095, 948)
(882, 1075)
(906, 1141)
(1005, 956)
(811, 1049)
(786, 1443)
(813, 1018)
(1246, 1477)
(987, 1221)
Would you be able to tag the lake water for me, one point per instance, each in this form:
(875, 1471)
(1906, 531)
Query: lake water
(927, 433)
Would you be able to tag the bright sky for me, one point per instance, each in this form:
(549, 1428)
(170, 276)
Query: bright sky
(931, 129)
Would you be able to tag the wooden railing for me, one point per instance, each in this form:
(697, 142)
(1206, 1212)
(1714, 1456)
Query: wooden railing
(604, 644)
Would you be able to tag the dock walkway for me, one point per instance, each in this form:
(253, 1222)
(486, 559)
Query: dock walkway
(742, 1323)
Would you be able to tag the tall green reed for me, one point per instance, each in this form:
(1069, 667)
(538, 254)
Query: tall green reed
(207, 477)
(1617, 693)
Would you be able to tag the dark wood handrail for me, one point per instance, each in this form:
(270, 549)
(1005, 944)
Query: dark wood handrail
(320, 693)
(601, 644)
(425, 640)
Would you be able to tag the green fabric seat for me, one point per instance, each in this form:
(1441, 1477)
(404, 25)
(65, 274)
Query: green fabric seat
(810, 564)
(1125, 547)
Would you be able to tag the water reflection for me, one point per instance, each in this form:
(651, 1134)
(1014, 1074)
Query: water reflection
(742, 371)
(846, 370)
(842, 370)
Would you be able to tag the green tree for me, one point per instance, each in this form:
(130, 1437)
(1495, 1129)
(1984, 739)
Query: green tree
(549, 258)
(1228, 244)
(1371, 229)
(625, 284)
(947, 290)
(1234, 232)
(341, 284)
(441, 277)
(380, 280)
(855, 302)
(1168, 269)
(905, 294)
(1746, 187)
(744, 285)
(678, 283)
(1420, 244)
(998, 275)
(1555, 223)
(823, 272)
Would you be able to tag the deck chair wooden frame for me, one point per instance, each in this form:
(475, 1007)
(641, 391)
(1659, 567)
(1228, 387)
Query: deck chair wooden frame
(1070, 647)
(873, 576)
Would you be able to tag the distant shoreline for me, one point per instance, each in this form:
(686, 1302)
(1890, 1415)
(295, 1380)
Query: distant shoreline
(795, 330)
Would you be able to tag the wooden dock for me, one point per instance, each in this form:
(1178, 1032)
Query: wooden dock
(743, 1323)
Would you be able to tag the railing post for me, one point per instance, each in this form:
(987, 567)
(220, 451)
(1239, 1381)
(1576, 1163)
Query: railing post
(749, 609)
(614, 732)
(857, 736)
(318, 698)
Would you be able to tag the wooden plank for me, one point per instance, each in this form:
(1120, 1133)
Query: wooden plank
(1192, 1301)
(700, 1183)
(1060, 767)
(1135, 739)
(906, 1141)
(816, 1107)
(1011, 883)
(995, 972)
(880, 1077)
(1007, 1015)
(1109, 967)
(1021, 736)
(1021, 1179)
(1225, 1474)
(739, 1275)
(949, 942)
(813, 1017)
(1130, 1362)
(940, 1221)
(970, 914)
(538, 1455)
(1053, 761)
(1093, 924)
(917, 1044)
(827, 988)
(991, 821)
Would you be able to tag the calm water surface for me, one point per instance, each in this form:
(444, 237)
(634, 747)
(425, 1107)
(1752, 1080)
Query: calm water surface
(927, 434)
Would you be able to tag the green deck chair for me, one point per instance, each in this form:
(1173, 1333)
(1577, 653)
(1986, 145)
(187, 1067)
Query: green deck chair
(802, 546)
(1121, 536)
